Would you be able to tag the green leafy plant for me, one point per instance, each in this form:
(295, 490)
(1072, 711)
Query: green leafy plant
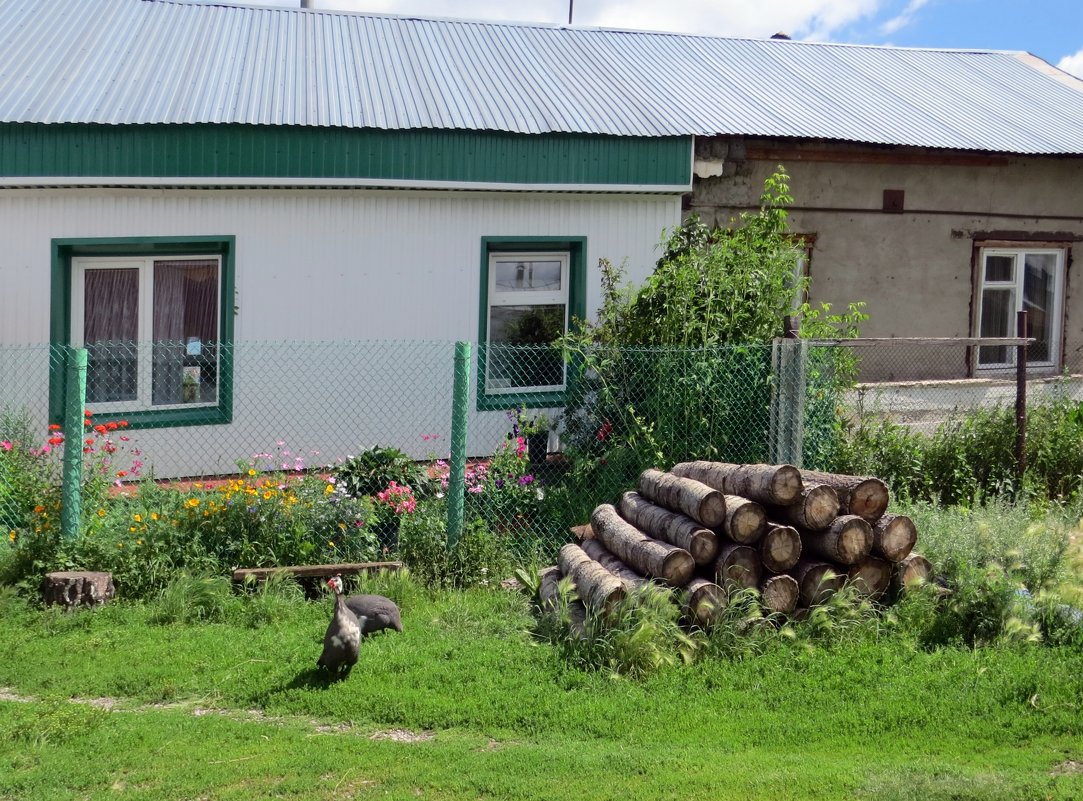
(373, 470)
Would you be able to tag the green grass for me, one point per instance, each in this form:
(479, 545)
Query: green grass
(233, 709)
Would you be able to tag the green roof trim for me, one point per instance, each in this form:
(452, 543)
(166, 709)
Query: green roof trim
(222, 152)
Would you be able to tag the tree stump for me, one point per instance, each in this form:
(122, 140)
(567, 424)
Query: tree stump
(77, 588)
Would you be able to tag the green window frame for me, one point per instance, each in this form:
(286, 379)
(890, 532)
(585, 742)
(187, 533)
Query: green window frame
(66, 253)
(570, 252)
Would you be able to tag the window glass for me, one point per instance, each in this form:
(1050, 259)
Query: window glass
(184, 331)
(1039, 299)
(997, 310)
(110, 331)
(999, 268)
(528, 276)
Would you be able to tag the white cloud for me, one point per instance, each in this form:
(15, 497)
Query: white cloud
(1073, 64)
(903, 18)
(809, 19)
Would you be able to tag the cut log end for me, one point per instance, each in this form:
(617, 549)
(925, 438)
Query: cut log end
(817, 581)
(871, 576)
(745, 520)
(780, 548)
(914, 569)
(737, 567)
(869, 499)
(779, 594)
(894, 537)
(786, 484)
(702, 602)
(78, 588)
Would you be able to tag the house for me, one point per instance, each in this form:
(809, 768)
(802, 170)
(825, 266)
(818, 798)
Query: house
(193, 191)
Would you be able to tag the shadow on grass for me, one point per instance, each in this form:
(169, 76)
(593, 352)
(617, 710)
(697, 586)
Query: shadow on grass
(315, 679)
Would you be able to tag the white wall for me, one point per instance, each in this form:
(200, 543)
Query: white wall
(320, 267)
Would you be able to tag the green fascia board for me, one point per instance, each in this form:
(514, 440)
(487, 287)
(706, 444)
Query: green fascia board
(63, 250)
(262, 151)
(577, 307)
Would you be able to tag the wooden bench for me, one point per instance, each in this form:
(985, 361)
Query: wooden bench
(314, 571)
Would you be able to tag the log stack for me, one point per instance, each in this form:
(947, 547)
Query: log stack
(709, 529)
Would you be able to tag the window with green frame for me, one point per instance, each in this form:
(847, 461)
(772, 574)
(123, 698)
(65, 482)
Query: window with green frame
(155, 315)
(531, 290)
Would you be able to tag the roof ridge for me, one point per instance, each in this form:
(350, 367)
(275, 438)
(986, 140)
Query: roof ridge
(556, 26)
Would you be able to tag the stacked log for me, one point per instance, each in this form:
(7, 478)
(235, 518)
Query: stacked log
(709, 529)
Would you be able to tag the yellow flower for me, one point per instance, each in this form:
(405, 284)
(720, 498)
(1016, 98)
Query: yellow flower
(101, 513)
(268, 495)
(328, 489)
(251, 472)
(120, 544)
(153, 515)
(342, 526)
(197, 485)
(331, 543)
(137, 518)
(139, 542)
(192, 503)
(11, 536)
(131, 528)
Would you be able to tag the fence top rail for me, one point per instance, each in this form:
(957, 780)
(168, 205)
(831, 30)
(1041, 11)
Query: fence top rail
(968, 341)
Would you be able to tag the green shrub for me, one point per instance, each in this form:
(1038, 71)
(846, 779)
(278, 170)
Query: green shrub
(189, 599)
(480, 558)
(373, 470)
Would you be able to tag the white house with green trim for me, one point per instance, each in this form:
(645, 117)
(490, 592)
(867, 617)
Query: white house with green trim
(183, 182)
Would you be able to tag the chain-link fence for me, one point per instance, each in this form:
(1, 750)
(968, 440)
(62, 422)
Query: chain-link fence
(541, 439)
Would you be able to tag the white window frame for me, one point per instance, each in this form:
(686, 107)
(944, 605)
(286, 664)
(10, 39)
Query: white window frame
(1019, 253)
(526, 298)
(145, 327)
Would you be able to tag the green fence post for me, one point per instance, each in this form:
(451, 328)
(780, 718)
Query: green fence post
(460, 399)
(74, 407)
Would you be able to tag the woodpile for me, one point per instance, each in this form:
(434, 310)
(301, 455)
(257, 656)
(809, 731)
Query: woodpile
(708, 529)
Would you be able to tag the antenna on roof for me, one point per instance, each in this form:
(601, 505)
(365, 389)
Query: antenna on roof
(781, 35)
(571, 3)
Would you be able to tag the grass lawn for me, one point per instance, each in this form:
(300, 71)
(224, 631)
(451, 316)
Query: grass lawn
(465, 704)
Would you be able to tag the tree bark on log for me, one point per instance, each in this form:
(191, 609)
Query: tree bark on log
(77, 588)
(647, 556)
(894, 537)
(607, 559)
(737, 567)
(692, 498)
(913, 568)
(764, 483)
(847, 540)
(702, 601)
(745, 520)
(672, 527)
(599, 589)
(779, 593)
(815, 510)
(817, 580)
(864, 496)
(871, 576)
(549, 602)
(780, 547)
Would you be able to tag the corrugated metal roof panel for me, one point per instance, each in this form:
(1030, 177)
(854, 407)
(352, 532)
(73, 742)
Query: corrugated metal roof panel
(137, 61)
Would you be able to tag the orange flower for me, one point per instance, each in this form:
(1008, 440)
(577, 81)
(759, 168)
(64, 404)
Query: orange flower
(100, 429)
(54, 426)
(111, 426)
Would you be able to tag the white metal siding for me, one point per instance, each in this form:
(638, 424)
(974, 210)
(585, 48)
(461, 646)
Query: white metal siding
(317, 266)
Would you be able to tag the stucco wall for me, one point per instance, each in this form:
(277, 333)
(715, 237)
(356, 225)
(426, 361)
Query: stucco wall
(913, 270)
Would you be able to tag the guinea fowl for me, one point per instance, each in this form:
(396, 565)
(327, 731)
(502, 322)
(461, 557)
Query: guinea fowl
(375, 612)
(342, 641)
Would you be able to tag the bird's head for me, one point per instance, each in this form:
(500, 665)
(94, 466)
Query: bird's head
(335, 583)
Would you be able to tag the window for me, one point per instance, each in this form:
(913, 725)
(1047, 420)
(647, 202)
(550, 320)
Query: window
(1011, 280)
(531, 291)
(152, 315)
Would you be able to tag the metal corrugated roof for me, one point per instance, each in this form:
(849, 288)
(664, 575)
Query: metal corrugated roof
(156, 61)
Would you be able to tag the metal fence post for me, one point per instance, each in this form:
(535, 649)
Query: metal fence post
(789, 364)
(1021, 399)
(74, 407)
(457, 478)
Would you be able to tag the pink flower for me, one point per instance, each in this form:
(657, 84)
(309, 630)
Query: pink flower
(6, 445)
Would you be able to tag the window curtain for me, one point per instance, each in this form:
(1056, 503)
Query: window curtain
(110, 333)
(185, 311)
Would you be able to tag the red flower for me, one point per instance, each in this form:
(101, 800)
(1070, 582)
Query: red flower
(100, 429)
(111, 426)
(55, 440)
(86, 412)
(603, 432)
(122, 473)
(54, 426)
(123, 424)
(88, 441)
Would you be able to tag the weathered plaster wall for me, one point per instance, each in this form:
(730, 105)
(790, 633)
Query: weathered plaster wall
(914, 269)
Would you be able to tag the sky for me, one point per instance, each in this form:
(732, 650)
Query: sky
(1049, 29)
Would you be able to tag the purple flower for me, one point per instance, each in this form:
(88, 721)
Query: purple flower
(500, 483)
(524, 480)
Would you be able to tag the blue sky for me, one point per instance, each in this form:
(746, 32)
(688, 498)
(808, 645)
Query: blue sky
(1050, 29)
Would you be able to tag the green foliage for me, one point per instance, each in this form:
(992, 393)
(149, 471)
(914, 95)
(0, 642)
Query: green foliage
(971, 456)
(273, 600)
(189, 599)
(27, 475)
(57, 721)
(478, 559)
(373, 470)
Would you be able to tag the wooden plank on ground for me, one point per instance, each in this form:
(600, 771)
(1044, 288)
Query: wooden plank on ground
(315, 571)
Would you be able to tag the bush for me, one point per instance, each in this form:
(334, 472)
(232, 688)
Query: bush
(375, 469)
(478, 559)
